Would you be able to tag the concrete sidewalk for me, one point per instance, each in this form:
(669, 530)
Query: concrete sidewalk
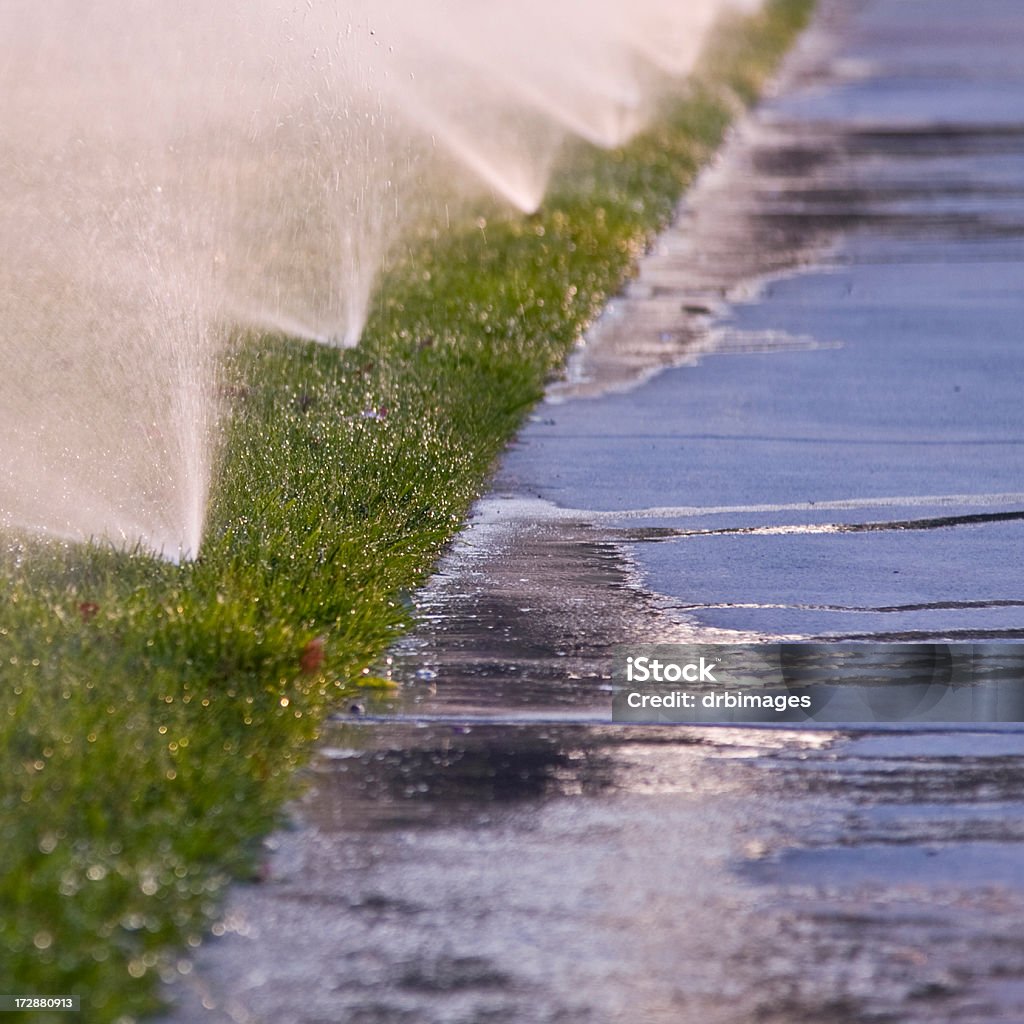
(845, 454)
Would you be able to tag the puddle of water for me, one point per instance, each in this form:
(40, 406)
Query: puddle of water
(599, 874)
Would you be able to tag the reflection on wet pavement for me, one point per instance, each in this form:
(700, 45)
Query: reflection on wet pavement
(596, 874)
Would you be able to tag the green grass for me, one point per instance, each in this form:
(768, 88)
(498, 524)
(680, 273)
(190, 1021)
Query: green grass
(152, 716)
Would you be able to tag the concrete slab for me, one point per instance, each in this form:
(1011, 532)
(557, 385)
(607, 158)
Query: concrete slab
(890, 367)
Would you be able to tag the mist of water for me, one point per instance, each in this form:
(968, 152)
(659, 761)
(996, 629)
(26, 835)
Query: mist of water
(169, 170)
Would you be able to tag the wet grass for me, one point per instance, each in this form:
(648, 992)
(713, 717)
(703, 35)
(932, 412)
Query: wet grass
(152, 716)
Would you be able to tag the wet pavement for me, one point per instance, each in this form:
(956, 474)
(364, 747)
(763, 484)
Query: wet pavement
(846, 455)
(832, 448)
(592, 873)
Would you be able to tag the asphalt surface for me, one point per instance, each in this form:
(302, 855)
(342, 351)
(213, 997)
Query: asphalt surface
(803, 419)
